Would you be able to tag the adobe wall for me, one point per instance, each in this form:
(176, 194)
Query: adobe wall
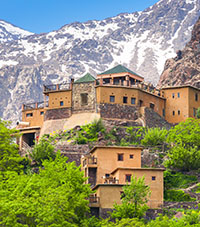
(54, 114)
(83, 88)
(117, 111)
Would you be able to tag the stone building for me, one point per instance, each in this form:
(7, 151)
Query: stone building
(117, 93)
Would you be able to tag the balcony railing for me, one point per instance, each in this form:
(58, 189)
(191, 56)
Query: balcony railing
(94, 199)
(110, 180)
(36, 105)
(56, 87)
(89, 161)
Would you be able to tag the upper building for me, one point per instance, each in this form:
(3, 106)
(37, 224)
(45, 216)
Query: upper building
(117, 93)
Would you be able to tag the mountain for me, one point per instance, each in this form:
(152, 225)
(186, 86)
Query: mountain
(9, 32)
(185, 67)
(141, 41)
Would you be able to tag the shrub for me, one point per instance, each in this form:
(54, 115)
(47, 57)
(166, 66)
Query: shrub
(177, 196)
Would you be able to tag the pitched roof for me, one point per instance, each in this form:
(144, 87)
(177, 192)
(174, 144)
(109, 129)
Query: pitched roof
(85, 79)
(118, 69)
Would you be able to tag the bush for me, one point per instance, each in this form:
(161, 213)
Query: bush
(177, 196)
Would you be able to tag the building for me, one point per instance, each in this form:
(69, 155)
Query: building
(110, 168)
(117, 93)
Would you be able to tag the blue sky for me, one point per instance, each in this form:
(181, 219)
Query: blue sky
(46, 15)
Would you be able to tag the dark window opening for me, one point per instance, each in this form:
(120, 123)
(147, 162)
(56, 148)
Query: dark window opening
(61, 103)
(128, 177)
(196, 97)
(42, 113)
(28, 139)
(112, 98)
(107, 175)
(125, 99)
(29, 114)
(173, 112)
(179, 112)
(153, 178)
(152, 106)
(120, 157)
(163, 112)
(84, 99)
(140, 103)
(133, 101)
(131, 156)
(178, 95)
(173, 95)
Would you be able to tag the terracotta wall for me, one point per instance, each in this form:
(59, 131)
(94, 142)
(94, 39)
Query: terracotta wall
(37, 117)
(55, 99)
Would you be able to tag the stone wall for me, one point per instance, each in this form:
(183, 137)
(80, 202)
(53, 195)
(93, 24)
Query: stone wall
(153, 119)
(83, 88)
(117, 111)
(54, 114)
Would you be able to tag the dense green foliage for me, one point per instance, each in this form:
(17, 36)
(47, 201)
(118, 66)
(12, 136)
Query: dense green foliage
(184, 152)
(54, 197)
(41, 151)
(198, 113)
(154, 137)
(10, 160)
(177, 196)
(135, 197)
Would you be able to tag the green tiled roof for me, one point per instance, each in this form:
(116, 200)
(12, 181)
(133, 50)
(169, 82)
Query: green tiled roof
(87, 78)
(118, 69)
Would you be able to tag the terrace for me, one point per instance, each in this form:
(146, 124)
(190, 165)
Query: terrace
(56, 87)
(35, 105)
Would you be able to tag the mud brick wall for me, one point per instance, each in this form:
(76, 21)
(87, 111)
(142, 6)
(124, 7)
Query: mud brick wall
(83, 88)
(54, 114)
(117, 111)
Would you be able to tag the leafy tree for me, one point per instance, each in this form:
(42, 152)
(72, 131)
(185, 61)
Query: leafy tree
(198, 113)
(154, 137)
(184, 153)
(135, 197)
(54, 197)
(42, 151)
(10, 159)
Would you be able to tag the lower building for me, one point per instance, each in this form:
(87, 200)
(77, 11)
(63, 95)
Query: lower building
(110, 168)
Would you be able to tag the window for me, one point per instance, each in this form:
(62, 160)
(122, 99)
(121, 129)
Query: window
(196, 97)
(42, 113)
(152, 106)
(179, 112)
(163, 112)
(173, 95)
(173, 113)
(107, 175)
(120, 157)
(61, 103)
(112, 98)
(153, 178)
(178, 95)
(128, 177)
(140, 103)
(133, 101)
(131, 156)
(125, 99)
(84, 99)
(29, 114)
(194, 112)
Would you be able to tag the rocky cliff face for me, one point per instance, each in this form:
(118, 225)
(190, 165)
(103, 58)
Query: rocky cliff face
(184, 69)
(141, 41)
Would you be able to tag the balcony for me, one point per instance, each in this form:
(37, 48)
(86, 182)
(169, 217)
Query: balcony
(56, 87)
(36, 105)
(110, 180)
(90, 161)
(94, 201)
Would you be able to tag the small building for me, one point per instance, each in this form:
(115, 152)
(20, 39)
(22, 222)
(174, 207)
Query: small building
(110, 168)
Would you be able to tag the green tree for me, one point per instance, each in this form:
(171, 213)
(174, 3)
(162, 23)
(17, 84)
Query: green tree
(154, 137)
(41, 151)
(198, 113)
(54, 197)
(184, 152)
(10, 159)
(135, 197)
